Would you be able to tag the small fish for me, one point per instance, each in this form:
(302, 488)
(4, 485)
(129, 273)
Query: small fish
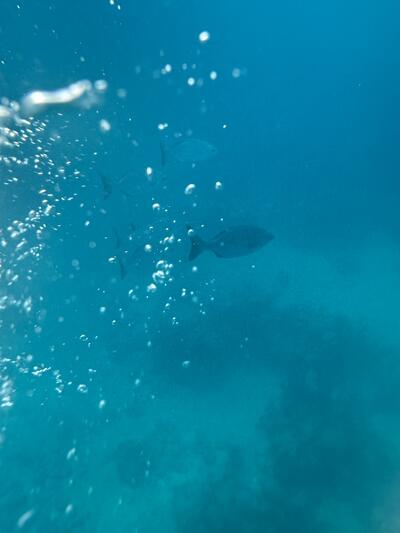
(235, 241)
(122, 267)
(127, 258)
(188, 151)
(107, 188)
(117, 236)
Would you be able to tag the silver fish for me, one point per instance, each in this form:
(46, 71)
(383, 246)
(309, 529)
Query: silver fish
(189, 151)
(231, 242)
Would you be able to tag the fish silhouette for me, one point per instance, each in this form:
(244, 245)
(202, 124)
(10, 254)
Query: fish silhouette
(231, 242)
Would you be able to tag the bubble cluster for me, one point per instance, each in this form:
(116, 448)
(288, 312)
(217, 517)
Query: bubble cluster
(35, 178)
(82, 93)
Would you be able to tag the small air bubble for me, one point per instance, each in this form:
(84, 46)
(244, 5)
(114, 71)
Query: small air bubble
(152, 287)
(104, 125)
(189, 189)
(23, 519)
(100, 85)
(71, 453)
(204, 36)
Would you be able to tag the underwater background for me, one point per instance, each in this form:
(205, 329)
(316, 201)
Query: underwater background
(141, 392)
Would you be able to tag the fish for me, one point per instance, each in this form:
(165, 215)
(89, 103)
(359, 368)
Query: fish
(124, 259)
(234, 241)
(122, 267)
(109, 187)
(188, 151)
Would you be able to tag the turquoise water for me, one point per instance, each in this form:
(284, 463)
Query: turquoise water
(141, 392)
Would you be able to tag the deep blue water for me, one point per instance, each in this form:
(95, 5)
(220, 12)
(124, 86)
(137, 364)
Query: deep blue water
(252, 394)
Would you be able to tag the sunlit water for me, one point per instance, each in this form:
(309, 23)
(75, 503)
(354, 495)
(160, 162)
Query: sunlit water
(141, 391)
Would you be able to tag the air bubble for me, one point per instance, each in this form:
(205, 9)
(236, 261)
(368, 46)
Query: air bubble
(104, 125)
(189, 189)
(204, 36)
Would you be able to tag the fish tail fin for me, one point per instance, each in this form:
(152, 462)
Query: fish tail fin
(198, 245)
(122, 268)
(163, 152)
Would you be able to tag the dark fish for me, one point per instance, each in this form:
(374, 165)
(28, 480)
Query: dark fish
(231, 242)
(122, 267)
(124, 259)
(117, 237)
(107, 188)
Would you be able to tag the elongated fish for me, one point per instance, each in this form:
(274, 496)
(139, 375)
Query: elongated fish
(188, 151)
(235, 241)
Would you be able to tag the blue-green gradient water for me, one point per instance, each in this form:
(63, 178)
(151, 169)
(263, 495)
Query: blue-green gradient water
(141, 392)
